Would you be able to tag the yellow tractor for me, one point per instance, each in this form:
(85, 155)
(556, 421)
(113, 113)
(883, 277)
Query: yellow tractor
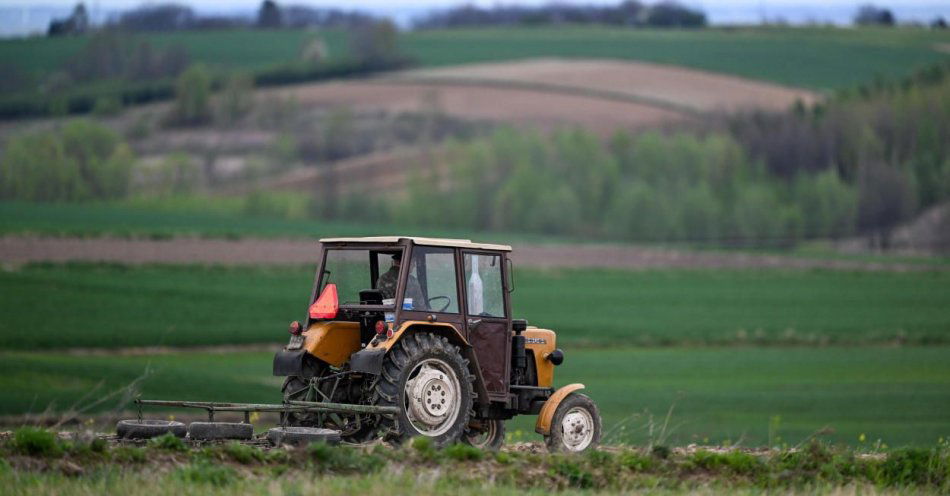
(409, 336)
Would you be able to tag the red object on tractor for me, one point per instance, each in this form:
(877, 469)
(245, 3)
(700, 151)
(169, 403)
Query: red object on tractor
(327, 305)
(295, 328)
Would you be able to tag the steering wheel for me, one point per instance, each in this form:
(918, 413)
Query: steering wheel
(448, 301)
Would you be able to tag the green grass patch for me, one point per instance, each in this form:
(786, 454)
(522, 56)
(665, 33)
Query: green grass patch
(816, 468)
(76, 305)
(865, 397)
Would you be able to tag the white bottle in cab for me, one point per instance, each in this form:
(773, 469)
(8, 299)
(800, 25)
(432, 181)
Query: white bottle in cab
(475, 302)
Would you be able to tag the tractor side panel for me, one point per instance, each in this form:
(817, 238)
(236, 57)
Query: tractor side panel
(332, 342)
(541, 342)
(490, 340)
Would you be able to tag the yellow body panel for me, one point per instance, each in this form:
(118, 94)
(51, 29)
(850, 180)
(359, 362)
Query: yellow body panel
(541, 342)
(543, 425)
(398, 333)
(332, 342)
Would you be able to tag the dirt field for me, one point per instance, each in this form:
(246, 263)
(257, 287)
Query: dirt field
(25, 249)
(661, 85)
(544, 109)
(600, 95)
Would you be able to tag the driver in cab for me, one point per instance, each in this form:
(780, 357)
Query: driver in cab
(388, 281)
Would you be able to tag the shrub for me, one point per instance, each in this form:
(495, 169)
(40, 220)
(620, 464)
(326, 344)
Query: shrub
(34, 441)
(236, 100)
(81, 161)
(192, 97)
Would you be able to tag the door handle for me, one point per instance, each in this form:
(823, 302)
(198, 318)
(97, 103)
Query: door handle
(474, 322)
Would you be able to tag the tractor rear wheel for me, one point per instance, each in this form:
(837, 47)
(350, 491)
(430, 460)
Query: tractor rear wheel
(575, 426)
(426, 377)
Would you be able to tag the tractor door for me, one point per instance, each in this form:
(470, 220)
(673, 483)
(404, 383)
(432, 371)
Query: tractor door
(487, 319)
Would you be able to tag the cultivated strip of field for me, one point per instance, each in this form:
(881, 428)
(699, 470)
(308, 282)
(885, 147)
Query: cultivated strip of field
(664, 86)
(27, 249)
(116, 306)
(739, 395)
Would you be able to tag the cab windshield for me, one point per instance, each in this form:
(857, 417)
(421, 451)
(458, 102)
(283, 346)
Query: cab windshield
(355, 270)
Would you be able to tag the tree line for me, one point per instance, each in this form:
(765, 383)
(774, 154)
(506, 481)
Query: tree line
(627, 13)
(856, 164)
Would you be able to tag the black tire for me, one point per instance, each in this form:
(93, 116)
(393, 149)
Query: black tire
(401, 364)
(208, 431)
(301, 436)
(586, 411)
(491, 437)
(147, 429)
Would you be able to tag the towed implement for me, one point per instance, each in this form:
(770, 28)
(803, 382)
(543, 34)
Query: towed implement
(409, 337)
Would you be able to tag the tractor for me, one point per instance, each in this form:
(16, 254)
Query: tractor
(422, 329)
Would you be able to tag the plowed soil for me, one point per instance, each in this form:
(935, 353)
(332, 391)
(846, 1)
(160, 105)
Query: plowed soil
(600, 95)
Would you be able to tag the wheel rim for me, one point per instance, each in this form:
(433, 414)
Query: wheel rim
(577, 429)
(481, 439)
(432, 397)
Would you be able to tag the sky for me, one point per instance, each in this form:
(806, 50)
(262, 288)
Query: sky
(20, 17)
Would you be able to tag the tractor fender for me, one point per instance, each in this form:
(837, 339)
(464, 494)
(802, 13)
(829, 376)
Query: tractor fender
(370, 359)
(543, 425)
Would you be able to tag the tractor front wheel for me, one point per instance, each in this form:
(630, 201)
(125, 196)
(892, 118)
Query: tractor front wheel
(575, 426)
(426, 377)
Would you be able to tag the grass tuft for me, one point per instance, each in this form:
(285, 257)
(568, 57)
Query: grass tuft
(168, 442)
(34, 441)
(204, 472)
(463, 452)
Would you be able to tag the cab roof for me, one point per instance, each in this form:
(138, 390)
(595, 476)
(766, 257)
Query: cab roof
(454, 243)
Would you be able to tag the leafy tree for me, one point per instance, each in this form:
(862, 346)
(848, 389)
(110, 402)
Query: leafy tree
(192, 97)
(237, 99)
(80, 161)
(269, 16)
(871, 15)
(374, 44)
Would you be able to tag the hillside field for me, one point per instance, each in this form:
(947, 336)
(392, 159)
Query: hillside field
(815, 58)
(737, 395)
(107, 306)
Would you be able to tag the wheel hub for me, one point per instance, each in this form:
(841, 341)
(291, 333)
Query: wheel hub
(577, 427)
(432, 396)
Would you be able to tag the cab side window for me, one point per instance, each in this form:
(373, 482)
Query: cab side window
(483, 285)
(432, 283)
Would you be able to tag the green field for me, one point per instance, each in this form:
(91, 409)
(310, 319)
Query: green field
(227, 49)
(818, 58)
(56, 306)
(898, 395)
(821, 59)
